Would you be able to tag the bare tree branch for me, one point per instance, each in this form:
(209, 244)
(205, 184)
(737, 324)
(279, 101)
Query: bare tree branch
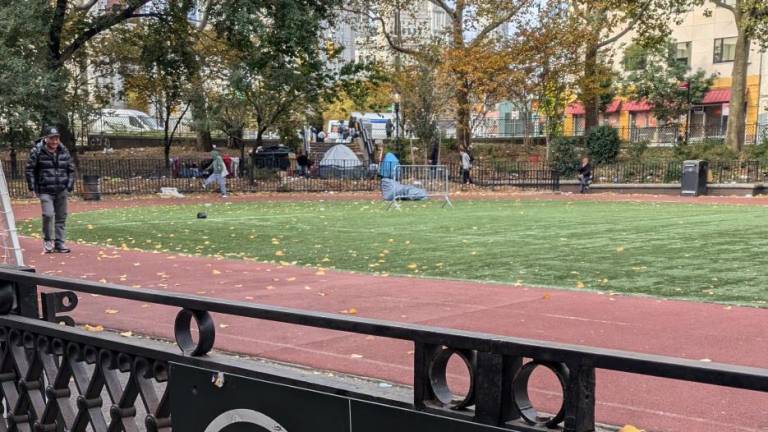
(724, 5)
(100, 24)
(620, 34)
(390, 41)
(495, 24)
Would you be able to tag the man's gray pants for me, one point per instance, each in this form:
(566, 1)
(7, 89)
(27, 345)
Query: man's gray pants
(54, 217)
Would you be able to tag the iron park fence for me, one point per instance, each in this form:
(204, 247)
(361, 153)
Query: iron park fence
(147, 176)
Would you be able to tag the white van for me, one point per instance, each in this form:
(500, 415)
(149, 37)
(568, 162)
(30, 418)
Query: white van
(113, 120)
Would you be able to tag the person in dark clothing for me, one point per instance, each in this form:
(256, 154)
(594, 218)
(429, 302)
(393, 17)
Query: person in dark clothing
(585, 175)
(50, 176)
(304, 163)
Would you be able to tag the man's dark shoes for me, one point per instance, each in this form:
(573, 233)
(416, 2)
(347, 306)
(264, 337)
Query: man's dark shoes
(61, 249)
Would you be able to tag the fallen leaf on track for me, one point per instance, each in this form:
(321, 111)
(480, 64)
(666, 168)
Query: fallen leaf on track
(111, 311)
(96, 328)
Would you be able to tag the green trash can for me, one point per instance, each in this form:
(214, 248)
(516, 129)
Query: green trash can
(91, 187)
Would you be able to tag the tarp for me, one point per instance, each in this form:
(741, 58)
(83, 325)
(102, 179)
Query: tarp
(340, 156)
(389, 166)
(391, 189)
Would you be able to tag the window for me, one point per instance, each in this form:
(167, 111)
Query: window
(683, 53)
(725, 50)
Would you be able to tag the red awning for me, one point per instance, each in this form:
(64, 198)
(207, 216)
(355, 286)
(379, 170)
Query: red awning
(613, 106)
(575, 109)
(635, 106)
(716, 96)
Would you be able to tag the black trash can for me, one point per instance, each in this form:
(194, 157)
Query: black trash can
(694, 178)
(91, 187)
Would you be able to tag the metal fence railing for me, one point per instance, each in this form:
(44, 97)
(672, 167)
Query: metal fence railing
(668, 135)
(147, 176)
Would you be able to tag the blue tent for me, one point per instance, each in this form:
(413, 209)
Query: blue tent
(389, 166)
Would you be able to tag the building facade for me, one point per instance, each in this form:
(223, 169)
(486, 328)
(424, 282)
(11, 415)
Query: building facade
(705, 41)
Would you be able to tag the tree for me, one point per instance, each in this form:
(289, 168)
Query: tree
(471, 37)
(602, 23)
(23, 82)
(278, 62)
(229, 113)
(424, 100)
(751, 18)
(163, 67)
(666, 83)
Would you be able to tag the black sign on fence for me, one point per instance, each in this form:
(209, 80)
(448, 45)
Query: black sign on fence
(217, 402)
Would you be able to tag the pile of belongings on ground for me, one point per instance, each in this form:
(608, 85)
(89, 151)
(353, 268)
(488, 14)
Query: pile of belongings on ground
(391, 189)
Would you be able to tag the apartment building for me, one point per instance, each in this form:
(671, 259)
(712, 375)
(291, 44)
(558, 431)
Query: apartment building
(707, 42)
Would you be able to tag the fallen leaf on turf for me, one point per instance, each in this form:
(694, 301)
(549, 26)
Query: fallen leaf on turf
(279, 253)
(412, 266)
(579, 284)
(96, 328)
(620, 249)
(111, 311)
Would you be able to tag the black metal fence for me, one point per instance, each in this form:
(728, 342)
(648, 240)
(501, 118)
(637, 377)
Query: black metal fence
(62, 378)
(668, 171)
(147, 176)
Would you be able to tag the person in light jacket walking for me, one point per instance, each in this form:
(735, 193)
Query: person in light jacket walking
(466, 167)
(219, 173)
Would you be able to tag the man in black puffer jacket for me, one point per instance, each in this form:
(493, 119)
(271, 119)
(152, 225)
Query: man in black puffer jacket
(51, 176)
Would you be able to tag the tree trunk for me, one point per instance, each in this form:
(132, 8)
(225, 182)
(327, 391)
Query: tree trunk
(734, 135)
(589, 88)
(167, 139)
(463, 107)
(200, 116)
(14, 161)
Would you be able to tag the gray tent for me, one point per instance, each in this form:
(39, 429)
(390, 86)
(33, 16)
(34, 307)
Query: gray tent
(341, 162)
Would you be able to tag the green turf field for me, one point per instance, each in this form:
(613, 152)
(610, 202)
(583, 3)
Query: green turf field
(706, 252)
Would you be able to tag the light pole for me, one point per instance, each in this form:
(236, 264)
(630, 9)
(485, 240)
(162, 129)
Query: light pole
(397, 124)
(687, 86)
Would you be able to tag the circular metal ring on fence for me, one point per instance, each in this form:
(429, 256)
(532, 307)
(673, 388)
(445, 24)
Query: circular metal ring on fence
(74, 351)
(160, 371)
(523, 402)
(43, 344)
(439, 381)
(183, 332)
(107, 360)
(28, 340)
(124, 362)
(58, 346)
(14, 337)
(90, 354)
